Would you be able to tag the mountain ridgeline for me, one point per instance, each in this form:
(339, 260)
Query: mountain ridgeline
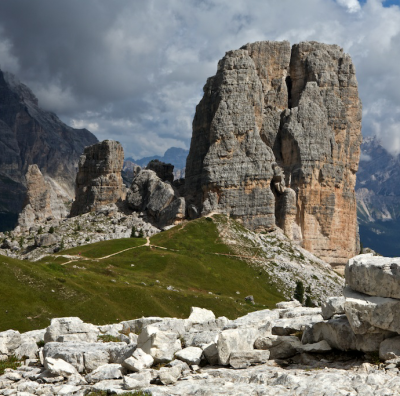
(378, 198)
(30, 135)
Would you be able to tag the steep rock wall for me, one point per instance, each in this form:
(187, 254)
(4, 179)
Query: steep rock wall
(99, 181)
(272, 117)
(30, 135)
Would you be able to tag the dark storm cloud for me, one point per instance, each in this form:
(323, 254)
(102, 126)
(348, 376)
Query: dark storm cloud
(134, 70)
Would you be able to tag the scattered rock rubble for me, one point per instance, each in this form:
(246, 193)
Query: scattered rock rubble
(106, 223)
(286, 351)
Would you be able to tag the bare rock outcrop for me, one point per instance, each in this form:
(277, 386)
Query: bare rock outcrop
(30, 135)
(164, 171)
(99, 180)
(159, 199)
(275, 117)
(45, 200)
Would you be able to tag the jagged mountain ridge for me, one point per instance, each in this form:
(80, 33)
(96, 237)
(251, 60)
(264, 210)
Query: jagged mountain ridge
(378, 198)
(30, 135)
(174, 155)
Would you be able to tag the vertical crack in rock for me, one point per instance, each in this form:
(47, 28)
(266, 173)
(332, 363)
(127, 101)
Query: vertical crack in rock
(276, 141)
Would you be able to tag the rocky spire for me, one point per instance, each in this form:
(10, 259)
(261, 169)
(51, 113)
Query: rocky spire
(299, 108)
(99, 180)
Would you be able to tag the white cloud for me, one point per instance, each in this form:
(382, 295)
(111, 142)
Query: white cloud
(133, 70)
(351, 5)
(364, 157)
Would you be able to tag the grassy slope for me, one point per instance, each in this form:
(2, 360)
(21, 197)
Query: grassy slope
(133, 283)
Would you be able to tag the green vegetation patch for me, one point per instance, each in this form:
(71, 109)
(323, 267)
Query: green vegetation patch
(101, 249)
(189, 266)
(12, 362)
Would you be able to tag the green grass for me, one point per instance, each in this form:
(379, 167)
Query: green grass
(12, 362)
(105, 248)
(133, 283)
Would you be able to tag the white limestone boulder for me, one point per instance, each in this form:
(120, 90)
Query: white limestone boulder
(287, 326)
(106, 372)
(288, 304)
(332, 306)
(390, 348)
(27, 348)
(169, 375)
(199, 315)
(367, 314)
(10, 340)
(59, 367)
(70, 330)
(280, 347)
(161, 345)
(242, 360)
(338, 333)
(200, 338)
(87, 356)
(373, 275)
(137, 380)
(190, 355)
(138, 361)
(235, 340)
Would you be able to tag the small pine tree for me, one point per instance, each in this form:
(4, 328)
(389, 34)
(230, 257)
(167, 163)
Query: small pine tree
(141, 234)
(21, 242)
(299, 292)
(40, 230)
(62, 244)
(308, 302)
(51, 230)
(361, 247)
(133, 232)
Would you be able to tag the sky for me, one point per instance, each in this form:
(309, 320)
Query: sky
(134, 70)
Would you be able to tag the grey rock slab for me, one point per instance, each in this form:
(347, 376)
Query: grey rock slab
(70, 329)
(298, 312)
(10, 340)
(200, 338)
(137, 380)
(110, 386)
(390, 348)
(161, 345)
(106, 372)
(288, 304)
(59, 367)
(280, 347)
(338, 333)
(242, 360)
(190, 355)
(318, 347)
(28, 348)
(289, 326)
(169, 375)
(332, 306)
(235, 340)
(138, 361)
(86, 356)
(368, 314)
(374, 275)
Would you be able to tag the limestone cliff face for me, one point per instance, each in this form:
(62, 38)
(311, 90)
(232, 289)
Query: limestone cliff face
(275, 117)
(44, 200)
(99, 180)
(30, 135)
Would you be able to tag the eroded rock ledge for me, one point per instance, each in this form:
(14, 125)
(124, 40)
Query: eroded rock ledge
(276, 141)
